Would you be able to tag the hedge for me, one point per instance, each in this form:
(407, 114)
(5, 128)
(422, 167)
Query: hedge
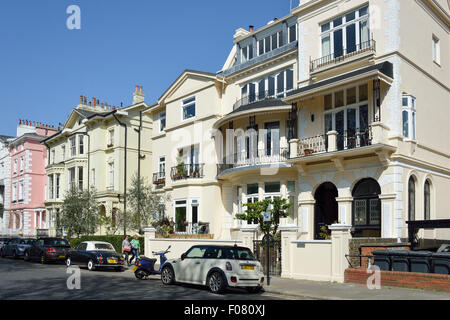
(116, 241)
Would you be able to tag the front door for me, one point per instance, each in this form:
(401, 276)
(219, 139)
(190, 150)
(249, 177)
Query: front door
(325, 210)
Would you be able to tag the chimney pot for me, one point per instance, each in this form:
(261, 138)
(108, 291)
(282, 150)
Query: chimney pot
(93, 102)
(81, 99)
(276, 19)
(250, 28)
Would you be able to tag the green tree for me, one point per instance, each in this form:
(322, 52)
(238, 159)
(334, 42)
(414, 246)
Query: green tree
(144, 204)
(80, 212)
(278, 208)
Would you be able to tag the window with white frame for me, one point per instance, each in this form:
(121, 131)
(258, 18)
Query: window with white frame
(50, 187)
(247, 53)
(409, 117)
(252, 196)
(63, 152)
(21, 190)
(15, 166)
(270, 42)
(162, 121)
(347, 112)
(293, 33)
(58, 185)
(93, 176)
(81, 144)
(72, 174)
(14, 192)
(436, 50)
(277, 84)
(22, 164)
(188, 108)
(53, 156)
(110, 138)
(80, 178)
(272, 190)
(73, 146)
(291, 196)
(111, 176)
(162, 168)
(346, 34)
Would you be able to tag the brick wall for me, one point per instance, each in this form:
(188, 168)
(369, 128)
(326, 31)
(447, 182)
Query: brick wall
(356, 244)
(428, 281)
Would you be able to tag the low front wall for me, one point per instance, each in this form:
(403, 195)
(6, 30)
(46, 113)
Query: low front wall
(428, 281)
(310, 260)
(180, 246)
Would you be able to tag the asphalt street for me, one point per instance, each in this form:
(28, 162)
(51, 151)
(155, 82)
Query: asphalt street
(21, 280)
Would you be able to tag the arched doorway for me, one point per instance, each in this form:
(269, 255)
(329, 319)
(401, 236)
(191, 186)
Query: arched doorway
(366, 216)
(325, 209)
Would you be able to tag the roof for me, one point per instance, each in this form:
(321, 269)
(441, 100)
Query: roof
(5, 138)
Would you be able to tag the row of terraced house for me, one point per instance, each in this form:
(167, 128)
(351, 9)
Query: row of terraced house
(340, 107)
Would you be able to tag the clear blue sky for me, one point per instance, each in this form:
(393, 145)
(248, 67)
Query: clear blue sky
(45, 67)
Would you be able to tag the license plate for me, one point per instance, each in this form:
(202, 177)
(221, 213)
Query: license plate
(62, 257)
(134, 269)
(112, 261)
(248, 267)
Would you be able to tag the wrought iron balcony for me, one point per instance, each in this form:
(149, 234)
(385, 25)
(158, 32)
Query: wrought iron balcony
(262, 96)
(187, 171)
(159, 178)
(344, 54)
(349, 139)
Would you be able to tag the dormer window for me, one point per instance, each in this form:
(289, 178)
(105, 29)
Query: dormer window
(270, 43)
(247, 53)
(162, 121)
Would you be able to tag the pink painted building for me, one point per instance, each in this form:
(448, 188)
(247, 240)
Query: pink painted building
(28, 178)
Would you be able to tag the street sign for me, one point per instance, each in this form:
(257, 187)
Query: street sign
(267, 217)
(65, 231)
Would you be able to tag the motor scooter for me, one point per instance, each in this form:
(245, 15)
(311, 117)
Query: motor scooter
(144, 267)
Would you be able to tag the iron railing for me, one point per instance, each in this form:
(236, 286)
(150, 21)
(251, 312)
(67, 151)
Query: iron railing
(186, 171)
(349, 139)
(339, 56)
(159, 178)
(261, 96)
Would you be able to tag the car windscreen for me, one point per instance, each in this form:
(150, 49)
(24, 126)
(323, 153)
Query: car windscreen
(104, 246)
(56, 242)
(235, 254)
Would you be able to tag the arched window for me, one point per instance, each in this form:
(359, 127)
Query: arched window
(411, 199)
(427, 200)
(366, 213)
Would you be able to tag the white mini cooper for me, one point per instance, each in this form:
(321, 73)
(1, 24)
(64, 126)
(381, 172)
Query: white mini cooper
(217, 267)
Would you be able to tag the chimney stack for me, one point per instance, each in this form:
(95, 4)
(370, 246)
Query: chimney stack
(138, 95)
(250, 28)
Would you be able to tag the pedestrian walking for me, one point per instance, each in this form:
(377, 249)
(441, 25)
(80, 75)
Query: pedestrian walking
(135, 248)
(126, 249)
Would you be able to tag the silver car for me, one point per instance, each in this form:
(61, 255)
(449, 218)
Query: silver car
(16, 247)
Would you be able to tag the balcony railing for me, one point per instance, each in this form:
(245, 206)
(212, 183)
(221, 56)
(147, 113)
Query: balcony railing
(244, 159)
(159, 178)
(344, 54)
(334, 141)
(262, 96)
(191, 228)
(187, 171)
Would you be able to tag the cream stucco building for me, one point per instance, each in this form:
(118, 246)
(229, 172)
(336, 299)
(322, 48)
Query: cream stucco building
(92, 150)
(340, 107)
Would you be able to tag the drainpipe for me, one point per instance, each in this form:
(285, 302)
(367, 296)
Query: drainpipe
(125, 176)
(139, 162)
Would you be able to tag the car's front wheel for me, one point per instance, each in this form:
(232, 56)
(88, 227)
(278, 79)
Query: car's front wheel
(68, 261)
(216, 283)
(26, 256)
(167, 276)
(90, 265)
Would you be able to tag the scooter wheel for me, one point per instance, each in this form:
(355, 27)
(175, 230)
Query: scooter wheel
(141, 274)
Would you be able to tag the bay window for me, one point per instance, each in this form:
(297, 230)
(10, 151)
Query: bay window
(275, 84)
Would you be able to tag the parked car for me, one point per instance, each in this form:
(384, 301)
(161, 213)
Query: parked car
(217, 267)
(16, 247)
(95, 254)
(3, 241)
(48, 249)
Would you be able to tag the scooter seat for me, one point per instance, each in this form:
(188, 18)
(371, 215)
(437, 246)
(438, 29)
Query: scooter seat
(148, 259)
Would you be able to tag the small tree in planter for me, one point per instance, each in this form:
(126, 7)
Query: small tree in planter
(181, 172)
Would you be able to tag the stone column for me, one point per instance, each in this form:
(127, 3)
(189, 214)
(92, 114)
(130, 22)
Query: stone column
(293, 147)
(306, 218)
(345, 210)
(227, 198)
(287, 236)
(332, 141)
(340, 236)
(387, 215)
(149, 234)
(248, 234)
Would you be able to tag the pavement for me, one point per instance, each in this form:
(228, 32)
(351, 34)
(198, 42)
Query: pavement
(325, 290)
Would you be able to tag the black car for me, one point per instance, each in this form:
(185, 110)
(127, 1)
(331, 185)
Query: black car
(95, 254)
(3, 241)
(48, 249)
